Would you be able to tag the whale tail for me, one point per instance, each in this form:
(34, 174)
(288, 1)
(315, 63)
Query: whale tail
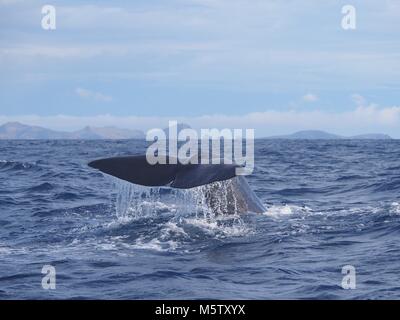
(137, 170)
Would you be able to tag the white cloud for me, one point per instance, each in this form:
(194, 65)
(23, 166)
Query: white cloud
(61, 52)
(309, 97)
(359, 99)
(7, 2)
(362, 119)
(77, 50)
(88, 94)
(224, 41)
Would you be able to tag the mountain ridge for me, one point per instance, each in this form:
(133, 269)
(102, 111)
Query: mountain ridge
(20, 131)
(323, 135)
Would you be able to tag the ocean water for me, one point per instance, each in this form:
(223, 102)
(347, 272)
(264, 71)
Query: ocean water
(328, 204)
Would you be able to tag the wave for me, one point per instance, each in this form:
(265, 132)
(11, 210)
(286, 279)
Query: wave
(155, 244)
(301, 191)
(8, 201)
(67, 196)
(276, 211)
(6, 165)
(351, 177)
(163, 219)
(395, 208)
(390, 185)
(41, 187)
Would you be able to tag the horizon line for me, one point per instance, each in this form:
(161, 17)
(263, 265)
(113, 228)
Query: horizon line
(283, 136)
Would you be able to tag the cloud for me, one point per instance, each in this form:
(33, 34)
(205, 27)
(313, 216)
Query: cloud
(54, 51)
(359, 99)
(309, 97)
(207, 40)
(362, 119)
(9, 2)
(87, 94)
(196, 48)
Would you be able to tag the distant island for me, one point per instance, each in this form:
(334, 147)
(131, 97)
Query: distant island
(16, 130)
(322, 135)
(19, 131)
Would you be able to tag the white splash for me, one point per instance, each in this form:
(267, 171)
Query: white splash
(172, 229)
(395, 208)
(184, 210)
(220, 227)
(136, 201)
(155, 244)
(276, 211)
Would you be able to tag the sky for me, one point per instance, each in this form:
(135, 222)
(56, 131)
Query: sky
(276, 66)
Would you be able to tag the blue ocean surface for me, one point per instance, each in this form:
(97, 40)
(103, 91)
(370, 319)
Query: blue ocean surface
(328, 204)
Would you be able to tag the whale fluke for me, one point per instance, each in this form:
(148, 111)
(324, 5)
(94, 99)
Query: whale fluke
(137, 170)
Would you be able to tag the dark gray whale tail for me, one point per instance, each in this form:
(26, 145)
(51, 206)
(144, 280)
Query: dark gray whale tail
(137, 170)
